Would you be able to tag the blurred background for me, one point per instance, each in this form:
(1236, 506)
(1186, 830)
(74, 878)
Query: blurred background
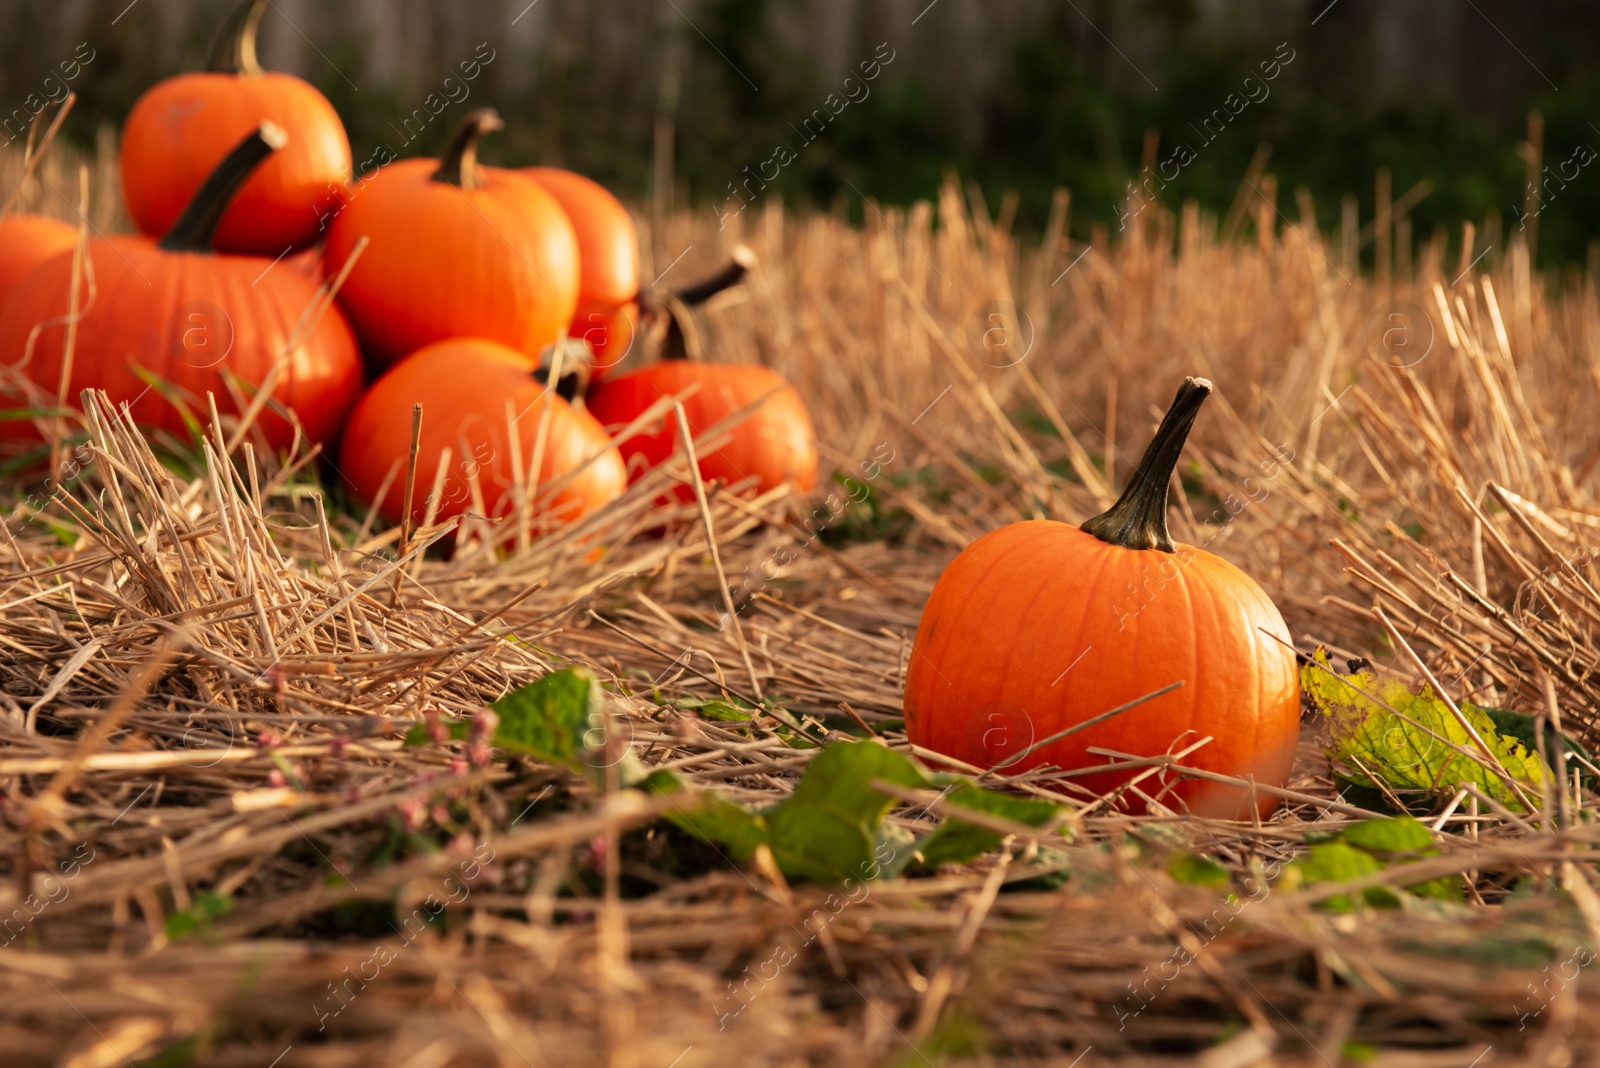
(684, 102)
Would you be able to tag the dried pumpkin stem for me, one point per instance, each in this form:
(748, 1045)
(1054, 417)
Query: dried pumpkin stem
(682, 339)
(740, 260)
(197, 225)
(459, 164)
(1139, 518)
(235, 50)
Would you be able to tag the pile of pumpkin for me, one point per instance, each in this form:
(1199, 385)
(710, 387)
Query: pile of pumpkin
(456, 286)
(469, 289)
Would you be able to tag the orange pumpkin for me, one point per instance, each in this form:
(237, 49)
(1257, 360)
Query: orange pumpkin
(772, 444)
(608, 259)
(180, 129)
(27, 241)
(458, 250)
(1039, 626)
(170, 319)
(466, 386)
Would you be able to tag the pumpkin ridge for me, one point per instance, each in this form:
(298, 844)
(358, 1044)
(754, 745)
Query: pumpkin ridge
(1011, 685)
(1083, 622)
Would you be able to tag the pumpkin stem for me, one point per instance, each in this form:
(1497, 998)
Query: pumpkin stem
(1139, 518)
(198, 224)
(682, 340)
(235, 50)
(459, 164)
(740, 260)
(577, 369)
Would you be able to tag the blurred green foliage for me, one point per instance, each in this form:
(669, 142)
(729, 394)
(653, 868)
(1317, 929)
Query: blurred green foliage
(1068, 109)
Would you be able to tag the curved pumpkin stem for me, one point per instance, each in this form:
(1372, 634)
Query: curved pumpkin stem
(235, 50)
(459, 164)
(1139, 518)
(740, 260)
(681, 339)
(198, 224)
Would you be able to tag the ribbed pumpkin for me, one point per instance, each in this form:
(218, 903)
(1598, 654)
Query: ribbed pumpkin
(185, 315)
(458, 250)
(27, 241)
(1039, 626)
(180, 129)
(772, 444)
(608, 260)
(465, 386)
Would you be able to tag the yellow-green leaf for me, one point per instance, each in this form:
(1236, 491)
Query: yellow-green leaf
(1379, 730)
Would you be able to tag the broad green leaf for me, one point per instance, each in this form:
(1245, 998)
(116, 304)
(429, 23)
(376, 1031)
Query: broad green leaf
(831, 829)
(712, 817)
(1520, 725)
(561, 720)
(1412, 741)
(1336, 862)
(551, 719)
(1367, 847)
(1399, 835)
(1196, 870)
(828, 829)
(955, 841)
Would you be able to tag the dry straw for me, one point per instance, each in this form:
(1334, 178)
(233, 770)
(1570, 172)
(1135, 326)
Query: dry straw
(206, 677)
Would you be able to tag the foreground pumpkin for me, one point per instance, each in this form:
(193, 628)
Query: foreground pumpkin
(27, 241)
(608, 260)
(173, 319)
(180, 129)
(475, 394)
(772, 444)
(1039, 626)
(458, 250)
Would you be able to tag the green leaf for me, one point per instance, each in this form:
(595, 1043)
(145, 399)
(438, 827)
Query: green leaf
(955, 841)
(831, 829)
(1412, 741)
(827, 830)
(718, 710)
(551, 719)
(561, 720)
(1336, 862)
(712, 818)
(1367, 847)
(207, 907)
(792, 730)
(1520, 725)
(1196, 870)
(1402, 834)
